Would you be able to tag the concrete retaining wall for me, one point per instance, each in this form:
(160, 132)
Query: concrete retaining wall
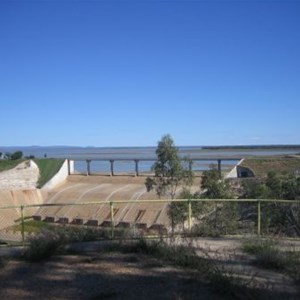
(234, 172)
(23, 177)
(60, 176)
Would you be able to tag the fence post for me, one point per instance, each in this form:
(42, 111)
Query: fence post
(258, 217)
(190, 214)
(112, 219)
(22, 225)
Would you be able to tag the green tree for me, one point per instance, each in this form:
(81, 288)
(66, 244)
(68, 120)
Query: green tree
(252, 188)
(283, 217)
(276, 217)
(222, 218)
(214, 186)
(274, 186)
(16, 155)
(169, 174)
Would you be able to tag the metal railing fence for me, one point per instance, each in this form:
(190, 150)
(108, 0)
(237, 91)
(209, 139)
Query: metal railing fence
(22, 211)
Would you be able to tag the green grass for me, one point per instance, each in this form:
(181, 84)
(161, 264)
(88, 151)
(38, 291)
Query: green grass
(70, 233)
(262, 165)
(31, 226)
(257, 246)
(48, 168)
(9, 164)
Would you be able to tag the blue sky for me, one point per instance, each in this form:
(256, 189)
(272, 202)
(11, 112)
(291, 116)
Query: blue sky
(124, 73)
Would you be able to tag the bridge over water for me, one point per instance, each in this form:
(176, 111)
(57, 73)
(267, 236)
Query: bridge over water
(136, 163)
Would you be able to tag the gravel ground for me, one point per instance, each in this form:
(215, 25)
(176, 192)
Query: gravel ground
(99, 276)
(95, 274)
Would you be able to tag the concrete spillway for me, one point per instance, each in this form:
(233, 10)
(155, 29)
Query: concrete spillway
(17, 187)
(82, 189)
(11, 216)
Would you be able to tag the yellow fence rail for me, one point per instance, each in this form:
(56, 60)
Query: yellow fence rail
(112, 203)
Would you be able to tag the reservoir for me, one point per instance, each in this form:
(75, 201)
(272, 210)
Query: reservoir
(81, 154)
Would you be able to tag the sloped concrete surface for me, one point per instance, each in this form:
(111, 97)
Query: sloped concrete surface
(17, 187)
(23, 177)
(83, 189)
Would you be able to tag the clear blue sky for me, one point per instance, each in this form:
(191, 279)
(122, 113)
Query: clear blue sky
(123, 73)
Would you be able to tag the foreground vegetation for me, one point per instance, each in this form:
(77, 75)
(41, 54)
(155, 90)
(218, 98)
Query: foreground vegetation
(213, 218)
(204, 266)
(272, 254)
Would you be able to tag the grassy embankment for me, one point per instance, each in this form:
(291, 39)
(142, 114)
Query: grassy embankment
(48, 168)
(9, 164)
(281, 165)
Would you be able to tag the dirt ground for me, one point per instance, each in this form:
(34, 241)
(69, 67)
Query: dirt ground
(99, 276)
(96, 274)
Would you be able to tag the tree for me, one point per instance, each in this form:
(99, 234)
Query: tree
(253, 188)
(214, 186)
(169, 174)
(16, 155)
(276, 217)
(222, 216)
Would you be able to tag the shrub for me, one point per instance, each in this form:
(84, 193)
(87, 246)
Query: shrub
(269, 255)
(220, 219)
(77, 234)
(256, 246)
(220, 277)
(43, 245)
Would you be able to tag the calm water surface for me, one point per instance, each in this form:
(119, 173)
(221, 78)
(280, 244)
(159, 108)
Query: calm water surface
(193, 152)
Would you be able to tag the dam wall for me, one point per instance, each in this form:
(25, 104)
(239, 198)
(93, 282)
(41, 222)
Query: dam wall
(61, 176)
(23, 176)
(11, 216)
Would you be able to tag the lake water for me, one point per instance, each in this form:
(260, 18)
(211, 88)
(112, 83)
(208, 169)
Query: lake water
(80, 154)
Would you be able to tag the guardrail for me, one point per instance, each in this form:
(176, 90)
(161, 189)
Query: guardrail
(23, 216)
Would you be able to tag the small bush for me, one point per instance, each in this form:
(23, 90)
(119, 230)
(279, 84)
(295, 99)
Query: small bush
(221, 279)
(43, 245)
(269, 255)
(217, 219)
(256, 246)
(204, 229)
(78, 234)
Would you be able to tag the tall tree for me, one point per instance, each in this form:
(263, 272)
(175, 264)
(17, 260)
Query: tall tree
(169, 172)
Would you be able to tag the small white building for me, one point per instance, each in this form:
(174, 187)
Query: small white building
(3, 156)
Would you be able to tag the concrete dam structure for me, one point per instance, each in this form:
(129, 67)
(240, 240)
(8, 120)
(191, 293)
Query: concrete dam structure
(18, 188)
(81, 189)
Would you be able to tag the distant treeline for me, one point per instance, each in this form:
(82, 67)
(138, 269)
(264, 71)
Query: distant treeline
(252, 147)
